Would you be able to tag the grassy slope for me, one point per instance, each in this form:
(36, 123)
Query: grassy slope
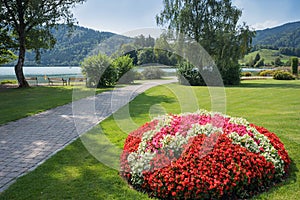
(74, 174)
(268, 55)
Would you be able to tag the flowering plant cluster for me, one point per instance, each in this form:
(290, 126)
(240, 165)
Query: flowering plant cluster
(203, 155)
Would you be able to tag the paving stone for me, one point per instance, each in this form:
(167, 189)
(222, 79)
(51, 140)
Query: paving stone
(4, 181)
(3, 173)
(13, 175)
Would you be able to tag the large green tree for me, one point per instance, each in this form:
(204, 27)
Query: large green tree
(213, 24)
(5, 54)
(28, 24)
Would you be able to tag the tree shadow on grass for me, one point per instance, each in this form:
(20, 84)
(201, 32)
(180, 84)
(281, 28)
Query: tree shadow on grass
(289, 180)
(292, 178)
(142, 104)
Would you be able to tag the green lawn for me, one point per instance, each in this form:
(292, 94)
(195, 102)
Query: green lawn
(74, 173)
(19, 103)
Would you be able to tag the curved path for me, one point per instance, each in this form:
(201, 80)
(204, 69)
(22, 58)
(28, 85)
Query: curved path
(28, 142)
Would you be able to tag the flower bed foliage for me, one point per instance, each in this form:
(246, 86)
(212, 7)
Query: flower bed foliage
(203, 155)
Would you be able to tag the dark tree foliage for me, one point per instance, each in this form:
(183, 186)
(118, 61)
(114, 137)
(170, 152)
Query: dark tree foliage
(256, 59)
(278, 62)
(146, 50)
(141, 41)
(146, 56)
(295, 64)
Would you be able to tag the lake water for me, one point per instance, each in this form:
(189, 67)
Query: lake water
(40, 72)
(252, 69)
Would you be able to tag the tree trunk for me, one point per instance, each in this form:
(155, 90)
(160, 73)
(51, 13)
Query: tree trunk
(19, 66)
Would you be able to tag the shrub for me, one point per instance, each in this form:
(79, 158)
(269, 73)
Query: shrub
(247, 74)
(99, 71)
(189, 75)
(124, 65)
(8, 82)
(283, 75)
(231, 75)
(203, 155)
(266, 73)
(152, 73)
(138, 76)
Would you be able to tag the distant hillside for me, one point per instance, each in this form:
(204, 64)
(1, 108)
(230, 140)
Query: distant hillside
(268, 55)
(287, 35)
(72, 47)
(111, 45)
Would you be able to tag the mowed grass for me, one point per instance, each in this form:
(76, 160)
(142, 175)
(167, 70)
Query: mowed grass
(19, 103)
(74, 173)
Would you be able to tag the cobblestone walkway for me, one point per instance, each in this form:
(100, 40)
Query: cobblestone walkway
(28, 142)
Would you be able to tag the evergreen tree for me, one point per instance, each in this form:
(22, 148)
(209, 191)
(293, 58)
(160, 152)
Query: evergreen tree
(256, 59)
(278, 62)
(294, 64)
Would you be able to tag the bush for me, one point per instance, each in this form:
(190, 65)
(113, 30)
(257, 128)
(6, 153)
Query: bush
(8, 82)
(124, 65)
(203, 155)
(152, 73)
(247, 74)
(283, 75)
(266, 73)
(189, 75)
(138, 76)
(99, 71)
(231, 75)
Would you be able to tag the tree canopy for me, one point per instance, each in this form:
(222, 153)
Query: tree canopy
(28, 24)
(6, 55)
(213, 24)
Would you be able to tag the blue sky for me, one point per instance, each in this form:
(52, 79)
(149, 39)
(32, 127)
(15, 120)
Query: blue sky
(120, 16)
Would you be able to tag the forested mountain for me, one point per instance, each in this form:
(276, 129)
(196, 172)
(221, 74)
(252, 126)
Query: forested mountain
(111, 45)
(274, 46)
(72, 47)
(285, 38)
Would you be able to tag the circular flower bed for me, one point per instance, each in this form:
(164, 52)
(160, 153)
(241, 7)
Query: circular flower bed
(203, 155)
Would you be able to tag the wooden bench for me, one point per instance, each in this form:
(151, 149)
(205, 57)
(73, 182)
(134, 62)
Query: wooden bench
(32, 79)
(52, 80)
(77, 79)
